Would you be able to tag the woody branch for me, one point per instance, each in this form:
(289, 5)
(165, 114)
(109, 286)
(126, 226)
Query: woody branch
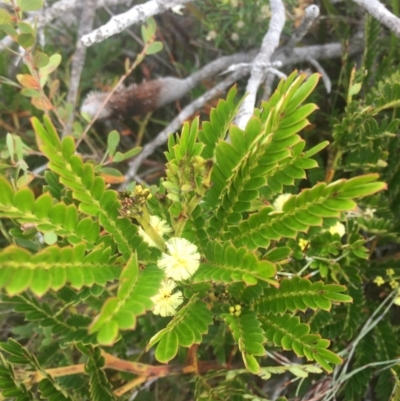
(56, 11)
(137, 14)
(262, 61)
(382, 14)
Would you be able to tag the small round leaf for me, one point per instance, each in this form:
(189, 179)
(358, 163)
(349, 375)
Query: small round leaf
(30, 5)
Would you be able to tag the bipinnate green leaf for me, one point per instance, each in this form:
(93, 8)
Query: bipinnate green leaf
(226, 264)
(269, 153)
(220, 119)
(51, 390)
(289, 333)
(99, 386)
(47, 216)
(189, 325)
(133, 299)
(299, 294)
(18, 355)
(53, 268)
(307, 209)
(249, 336)
(73, 329)
(10, 386)
(88, 188)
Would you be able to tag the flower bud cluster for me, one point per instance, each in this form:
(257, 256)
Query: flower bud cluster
(187, 176)
(390, 278)
(132, 203)
(235, 310)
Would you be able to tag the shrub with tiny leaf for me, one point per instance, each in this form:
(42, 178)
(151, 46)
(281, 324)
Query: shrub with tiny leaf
(224, 249)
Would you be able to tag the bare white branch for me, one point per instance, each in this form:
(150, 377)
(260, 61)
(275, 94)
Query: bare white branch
(310, 15)
(235, 67)
(239, 66)
(258, 70)
(220, 64)
(78, 60)
(317, 52)
(325, 76)
(137, 14)
(60, 8)
(268, 86)
(382, 14)
(274, 71)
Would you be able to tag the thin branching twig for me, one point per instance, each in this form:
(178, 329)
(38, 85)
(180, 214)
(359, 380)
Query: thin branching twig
(262, 61)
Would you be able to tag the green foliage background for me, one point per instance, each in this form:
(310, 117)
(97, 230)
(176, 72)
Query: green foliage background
(277, 293)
